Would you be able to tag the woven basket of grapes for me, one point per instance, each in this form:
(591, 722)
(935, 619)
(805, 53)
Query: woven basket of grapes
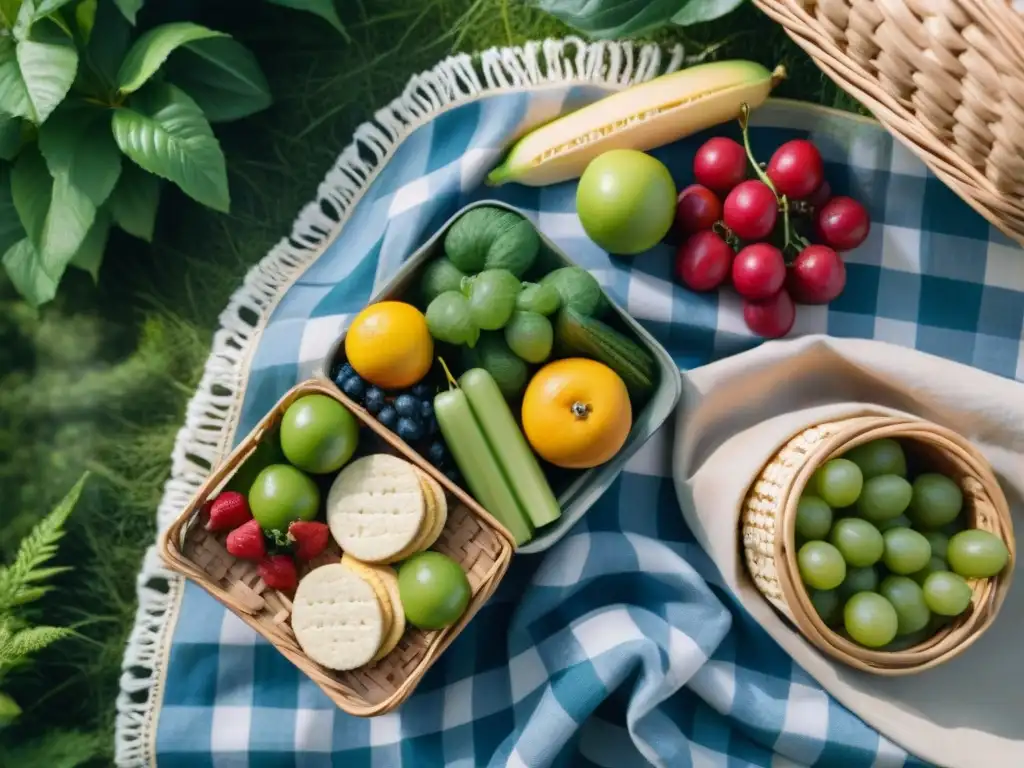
(886, 541)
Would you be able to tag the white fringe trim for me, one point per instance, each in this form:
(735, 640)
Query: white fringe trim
(210, 419)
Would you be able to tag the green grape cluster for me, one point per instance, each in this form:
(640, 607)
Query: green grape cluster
(885, 556)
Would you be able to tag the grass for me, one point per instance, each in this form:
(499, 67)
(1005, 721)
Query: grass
(99, 379)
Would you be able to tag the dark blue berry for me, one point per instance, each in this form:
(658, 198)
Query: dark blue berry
(388, 416)
(407, 406)
(423, 391)
(409, 430)
(343, 372)
(430, 426)
(437, 453)
(426, 410)
(354, 387)
(374, 400)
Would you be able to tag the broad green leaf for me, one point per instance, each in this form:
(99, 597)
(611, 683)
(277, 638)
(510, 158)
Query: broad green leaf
(35, 76)
(11, 230)
(85, 19)
(108, 44)
(699, 11)
(130, 8)
(163, 130)
(30, 277)
(89, 256)
(77, 143)
(9, 12)
(9, 710)
(46, 7)
(323, 8)
(608, 19)
(56, 215)
(10, 136)
(152, 48)
(223, 78)
(134, 203)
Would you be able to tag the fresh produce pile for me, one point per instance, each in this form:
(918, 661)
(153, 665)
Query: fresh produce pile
(886, 556)
(380, 510)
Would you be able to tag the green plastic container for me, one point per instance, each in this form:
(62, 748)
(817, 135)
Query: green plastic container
(578, 490)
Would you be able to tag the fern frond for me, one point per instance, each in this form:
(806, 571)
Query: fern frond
(35, 551)
(54, 749)
(28, 641)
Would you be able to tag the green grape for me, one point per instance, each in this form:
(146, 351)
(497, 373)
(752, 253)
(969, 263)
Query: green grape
(542, 299)
(939, 543)
(934, 564)
(946, 593)
(879, 457)
(937, 501)
(952, 529)
(813, 518)
(977, 554)
(859, 580)
(858, 541)
(906, 551)
(827, 603)
(897, 522)
(907, 598)
(492, 298)
(821, 565)
(449, 320)
(870, 619)
(839, 482)
(530, 336)
(884, 497)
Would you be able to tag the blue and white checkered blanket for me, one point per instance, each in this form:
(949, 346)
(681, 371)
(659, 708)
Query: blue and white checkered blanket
(619, 646)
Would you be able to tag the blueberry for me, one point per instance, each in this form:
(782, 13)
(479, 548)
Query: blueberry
(437, 453)
(373, 400)
(342, 373)
(354, 387)
(388, 416)
(409, 430)
(423, 391)
(407, 406)
(430, 426)
(426, 410)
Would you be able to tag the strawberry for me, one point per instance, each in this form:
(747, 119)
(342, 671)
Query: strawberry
(228, 511)
(310, 538)
(278, 572)
(246, 541)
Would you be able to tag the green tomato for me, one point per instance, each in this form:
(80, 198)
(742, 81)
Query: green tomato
(977, 554)
(626, 201)
(282, 494)
(318, 434)
(434, 590)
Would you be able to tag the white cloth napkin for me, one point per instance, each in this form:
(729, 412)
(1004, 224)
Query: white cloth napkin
(735, 413)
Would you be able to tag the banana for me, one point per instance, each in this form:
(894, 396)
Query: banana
(641, 117)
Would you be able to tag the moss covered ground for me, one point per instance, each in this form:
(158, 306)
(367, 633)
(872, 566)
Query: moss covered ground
(99, 379)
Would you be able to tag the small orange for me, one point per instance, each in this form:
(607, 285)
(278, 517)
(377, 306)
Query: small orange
(576, 413)
(388, 344)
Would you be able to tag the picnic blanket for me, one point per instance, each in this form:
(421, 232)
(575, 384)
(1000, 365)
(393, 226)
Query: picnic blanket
(620, 646)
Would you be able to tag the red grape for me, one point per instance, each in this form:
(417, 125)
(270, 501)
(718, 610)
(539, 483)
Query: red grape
(820, 196)
(818, 275)
(843, 223)
(698, 208)
(758, 271)
(720, 164)
(750, 210)
(772, 317)
(796, 169)
(703, 261)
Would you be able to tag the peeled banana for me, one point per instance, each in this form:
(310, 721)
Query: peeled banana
(642, 117)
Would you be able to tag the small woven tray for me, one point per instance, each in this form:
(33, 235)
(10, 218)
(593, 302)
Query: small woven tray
(471, 536)
(769, 533)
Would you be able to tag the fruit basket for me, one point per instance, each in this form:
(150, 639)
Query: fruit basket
(470, 537)
(771, 518)
(576, 491)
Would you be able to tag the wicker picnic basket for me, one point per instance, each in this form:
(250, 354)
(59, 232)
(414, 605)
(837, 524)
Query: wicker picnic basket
(768, 523)
(944, 76)
(471, 536)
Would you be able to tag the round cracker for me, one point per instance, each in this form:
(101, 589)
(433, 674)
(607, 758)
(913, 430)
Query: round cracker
(337, 618)
(441, 516)
(371, 574)
(375, 507)
(391, 640)
(435, 515)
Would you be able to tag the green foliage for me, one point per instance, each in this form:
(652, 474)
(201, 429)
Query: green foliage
(323, 8)
(90, 122)
(58, 749)
(610, 19)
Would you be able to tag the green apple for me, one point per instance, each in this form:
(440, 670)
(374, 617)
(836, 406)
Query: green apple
(282, 494)
(267, 452)
(434, 590)
(318, 434)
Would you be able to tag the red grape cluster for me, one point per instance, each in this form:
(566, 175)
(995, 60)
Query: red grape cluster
(732, 230)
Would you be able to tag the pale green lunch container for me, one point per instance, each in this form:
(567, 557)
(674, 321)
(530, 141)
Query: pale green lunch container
(576, 491)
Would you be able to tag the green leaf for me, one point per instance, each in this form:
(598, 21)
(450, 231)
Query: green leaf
(46, 7)
(30, 277)
(90, 254)
(323, 8)
(31, 640)
(607, 19)
(223, 78)
(35, 76)
(699, 11)
(151, 50)
(85, 18)
(77, 143)
(54, 749)
(129, 8)
(163, 130)
(111, 35)
(9, 11)
(10, 136)
(56, 214)
(11, 230)
(9, 710)
(134, 203)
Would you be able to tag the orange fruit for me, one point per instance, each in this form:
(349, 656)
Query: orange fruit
(388, 344)
(576, 413)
